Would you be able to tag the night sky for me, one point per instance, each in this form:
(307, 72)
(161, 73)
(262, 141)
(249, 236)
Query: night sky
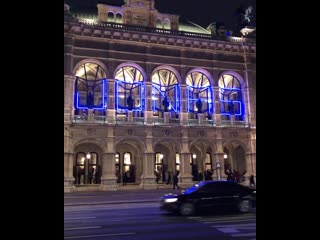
(202, 12)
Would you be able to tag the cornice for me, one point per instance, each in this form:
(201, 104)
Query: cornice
(233, 44)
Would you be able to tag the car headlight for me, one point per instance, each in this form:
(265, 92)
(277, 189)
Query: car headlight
(170, 200)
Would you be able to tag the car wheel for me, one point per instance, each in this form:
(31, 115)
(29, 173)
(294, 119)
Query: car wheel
(187, 209)
(244, 206)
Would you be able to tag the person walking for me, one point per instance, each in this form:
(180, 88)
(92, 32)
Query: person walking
(252, 183)
(175, 181)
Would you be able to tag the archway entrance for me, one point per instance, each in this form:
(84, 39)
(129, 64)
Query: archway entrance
(86, 169)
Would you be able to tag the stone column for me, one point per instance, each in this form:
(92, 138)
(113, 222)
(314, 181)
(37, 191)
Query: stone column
(130, 116)
(69, 82)
(166, 117)
(108, 178)
(183, 108)
(219, 156)
(200, 118)
(68, 172)
(185, 176)
(111, 111)
(148, 179)
(217, 113)
(148, 113)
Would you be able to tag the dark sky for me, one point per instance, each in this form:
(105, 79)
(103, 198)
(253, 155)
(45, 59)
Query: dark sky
(202, 12)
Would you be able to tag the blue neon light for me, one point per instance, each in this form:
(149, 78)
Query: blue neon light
(80, 106)
(174, 106)
(234, 102)
(124, 107)
(193, 98)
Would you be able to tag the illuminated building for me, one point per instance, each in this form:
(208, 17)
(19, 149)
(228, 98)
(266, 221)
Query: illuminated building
(146, 92)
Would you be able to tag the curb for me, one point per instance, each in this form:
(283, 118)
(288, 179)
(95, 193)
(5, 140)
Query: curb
(105, 203)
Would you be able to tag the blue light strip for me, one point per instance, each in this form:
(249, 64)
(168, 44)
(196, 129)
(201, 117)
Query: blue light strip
(176, 105)
(208, 100)
(118, 85)
(234, 102)
(78, 105)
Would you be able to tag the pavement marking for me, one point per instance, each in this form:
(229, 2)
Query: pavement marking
(239, 226)
(252, 234)
(80, 228)
(228, 230)
(78, 218)
(102, 235)
(228, 220)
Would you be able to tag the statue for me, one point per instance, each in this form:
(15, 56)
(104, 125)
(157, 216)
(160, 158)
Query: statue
(130, 102)
(66, 8)
(165, 103)
(247, 15)
(199, 105)
(90, 100)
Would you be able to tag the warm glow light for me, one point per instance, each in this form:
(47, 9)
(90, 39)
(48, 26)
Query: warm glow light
(194, 156)
(225, 156)
(88, 155)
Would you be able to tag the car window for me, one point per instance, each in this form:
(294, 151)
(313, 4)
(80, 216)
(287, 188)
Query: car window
(193, 188)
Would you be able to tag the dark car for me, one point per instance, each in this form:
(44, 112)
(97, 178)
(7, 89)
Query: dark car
(209, 195)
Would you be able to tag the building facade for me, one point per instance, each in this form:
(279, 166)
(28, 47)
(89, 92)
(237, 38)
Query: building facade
(147, 95)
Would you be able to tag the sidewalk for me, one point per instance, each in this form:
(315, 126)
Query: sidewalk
(126, 194)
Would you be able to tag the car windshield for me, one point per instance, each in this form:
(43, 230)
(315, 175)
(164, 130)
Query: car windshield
(193, 188)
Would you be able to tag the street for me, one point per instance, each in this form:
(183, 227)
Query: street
(145, 221)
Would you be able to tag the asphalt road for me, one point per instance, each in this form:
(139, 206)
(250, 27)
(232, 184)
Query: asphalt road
(145, 221)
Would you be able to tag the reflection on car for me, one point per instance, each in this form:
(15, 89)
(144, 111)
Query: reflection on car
(208, 195)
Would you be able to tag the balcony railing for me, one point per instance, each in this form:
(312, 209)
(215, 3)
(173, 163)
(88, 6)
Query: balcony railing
(133, 28)
(123, 120)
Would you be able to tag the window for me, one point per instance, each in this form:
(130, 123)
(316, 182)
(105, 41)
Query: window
(199, 93)
(129, 90)
(165, 92)
(90, 89)
(208, 162)
(177, 162)
(230, 97)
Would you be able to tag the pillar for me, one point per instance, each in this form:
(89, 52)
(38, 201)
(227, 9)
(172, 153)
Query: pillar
(69, 82)
(68, 172)
(148, 179)
(108, 178)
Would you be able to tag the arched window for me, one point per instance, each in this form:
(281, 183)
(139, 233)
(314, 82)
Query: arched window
(86, 168)
(128, 167)
(199, 94)
(177, 162)
(129, 90)
(110, 17)
(117, 167)
(119, 18)
(166, 24)
(90, 89)
(208, 162)
(165, 92)
(159, 23)
(230, 96)
(159, 163)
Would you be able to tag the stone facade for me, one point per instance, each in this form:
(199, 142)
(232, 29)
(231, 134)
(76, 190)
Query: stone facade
(183, 140)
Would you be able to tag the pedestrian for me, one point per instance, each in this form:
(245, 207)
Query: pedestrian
(252, 183)
(125, 178)
(168, 177)
(176, 180)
